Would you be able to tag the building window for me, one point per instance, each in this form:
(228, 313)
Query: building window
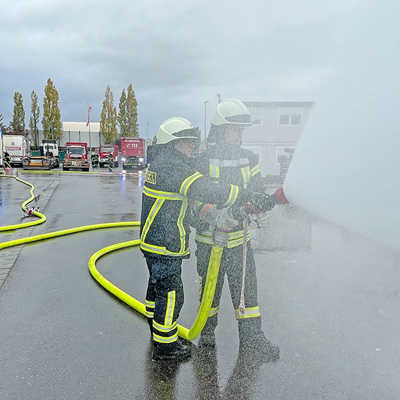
(289, 119)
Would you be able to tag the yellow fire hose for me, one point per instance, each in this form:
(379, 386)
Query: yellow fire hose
(211, 280)
(41, 217)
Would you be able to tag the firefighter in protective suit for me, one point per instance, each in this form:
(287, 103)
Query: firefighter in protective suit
(225, 161)
(171, 181)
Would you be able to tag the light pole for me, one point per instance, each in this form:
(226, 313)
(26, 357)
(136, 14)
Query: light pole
(88, 124)
(205, 121)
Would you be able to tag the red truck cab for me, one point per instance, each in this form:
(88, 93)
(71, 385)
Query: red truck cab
(76, 157)
(104, 155)
(133, 153)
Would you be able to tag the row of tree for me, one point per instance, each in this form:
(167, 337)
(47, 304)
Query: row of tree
(126, 118)
(51, 121)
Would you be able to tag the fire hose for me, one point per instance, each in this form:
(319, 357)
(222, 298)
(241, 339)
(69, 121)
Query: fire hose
(211, 279)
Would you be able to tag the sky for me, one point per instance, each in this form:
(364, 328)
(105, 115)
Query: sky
(177, 54)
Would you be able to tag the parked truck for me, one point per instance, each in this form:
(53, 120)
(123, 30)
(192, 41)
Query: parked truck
(17, 146)
(104, 155)
(50, 149)
(133, 153)
(76, 157)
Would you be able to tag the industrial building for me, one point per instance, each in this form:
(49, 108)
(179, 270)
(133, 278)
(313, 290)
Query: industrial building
(277, 126)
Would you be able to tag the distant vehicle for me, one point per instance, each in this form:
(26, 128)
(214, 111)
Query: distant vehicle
(77, 156)
(38, 162)
(50, 146)
(133, 153)
(104, 155)
(17, 146)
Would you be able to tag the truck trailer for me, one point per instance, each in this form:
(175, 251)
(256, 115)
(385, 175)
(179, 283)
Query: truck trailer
(17, 146)
(76, 157)
(133, 153)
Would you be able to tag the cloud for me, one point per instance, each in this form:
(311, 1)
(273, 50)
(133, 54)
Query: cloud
(177, 54)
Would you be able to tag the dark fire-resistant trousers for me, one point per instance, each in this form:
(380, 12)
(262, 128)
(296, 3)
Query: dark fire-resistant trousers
(164, 298)
(231, 266)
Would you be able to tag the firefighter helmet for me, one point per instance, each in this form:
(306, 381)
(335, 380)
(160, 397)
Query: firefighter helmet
(231, 112)
(177, 128)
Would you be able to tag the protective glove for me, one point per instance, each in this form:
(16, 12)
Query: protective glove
(259, 203)
(222, 219)
(280, 197)
(220, 238)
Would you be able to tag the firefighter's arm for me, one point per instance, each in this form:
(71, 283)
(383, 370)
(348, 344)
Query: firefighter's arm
(206, 190)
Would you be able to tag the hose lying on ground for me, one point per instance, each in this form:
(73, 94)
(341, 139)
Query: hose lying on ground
(211, 280)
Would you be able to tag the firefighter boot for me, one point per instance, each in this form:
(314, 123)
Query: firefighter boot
(175, 351)
(253, 342)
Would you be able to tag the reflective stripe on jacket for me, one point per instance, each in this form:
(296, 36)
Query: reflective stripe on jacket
(232, 166)
(170, 182)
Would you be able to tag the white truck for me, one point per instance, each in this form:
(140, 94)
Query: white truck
(50, 146)
(17, 146)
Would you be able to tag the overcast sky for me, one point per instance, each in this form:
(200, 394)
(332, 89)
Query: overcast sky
(177, 54)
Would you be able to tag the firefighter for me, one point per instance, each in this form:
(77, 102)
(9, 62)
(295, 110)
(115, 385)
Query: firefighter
(7, 159)
(225, 161)
(170, 182)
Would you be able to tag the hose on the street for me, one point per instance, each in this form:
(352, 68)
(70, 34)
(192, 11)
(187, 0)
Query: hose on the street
(41, 216)
(211, 280)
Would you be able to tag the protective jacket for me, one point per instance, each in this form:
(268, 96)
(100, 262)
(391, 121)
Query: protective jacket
(170, 182)
(235, 165)
(228, 164)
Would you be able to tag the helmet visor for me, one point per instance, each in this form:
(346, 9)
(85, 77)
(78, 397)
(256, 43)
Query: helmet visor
(192, 133)
(239, 119)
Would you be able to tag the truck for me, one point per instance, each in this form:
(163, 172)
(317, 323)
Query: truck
(38, 162)
(50, 148)
(76, 157)
(17, 146)
(133, 153)
(104, 155)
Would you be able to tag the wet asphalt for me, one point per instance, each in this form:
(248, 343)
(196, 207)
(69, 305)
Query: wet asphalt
(332, 308)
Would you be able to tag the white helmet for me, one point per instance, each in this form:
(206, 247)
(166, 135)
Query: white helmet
(176, 128)
(231, 112)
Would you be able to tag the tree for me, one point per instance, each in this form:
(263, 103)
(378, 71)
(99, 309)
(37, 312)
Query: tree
(131, 113)
(18, 121)
(108, 121)
(34, 118)
(51, 120)
(122, 115)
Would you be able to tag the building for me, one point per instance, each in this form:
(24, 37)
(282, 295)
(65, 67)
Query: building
(82, 132)
(277, 127)
(79, 132)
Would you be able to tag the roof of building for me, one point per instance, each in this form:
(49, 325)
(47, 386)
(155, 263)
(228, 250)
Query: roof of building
(80, 127)
(265, 104)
